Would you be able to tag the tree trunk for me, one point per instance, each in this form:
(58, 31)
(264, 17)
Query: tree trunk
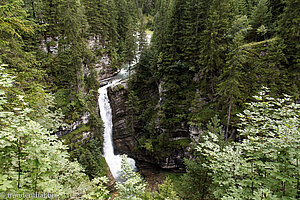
(229, 115)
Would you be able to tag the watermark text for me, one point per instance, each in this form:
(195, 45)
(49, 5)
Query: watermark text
(5, 195)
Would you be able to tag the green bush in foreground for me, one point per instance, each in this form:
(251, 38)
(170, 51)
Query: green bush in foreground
(31, 159)
(264, 165)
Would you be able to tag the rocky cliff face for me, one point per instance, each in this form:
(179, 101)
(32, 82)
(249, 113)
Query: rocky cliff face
(126, 143)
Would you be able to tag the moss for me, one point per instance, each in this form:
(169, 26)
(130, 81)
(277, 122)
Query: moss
(70, 103)
(83, 128)
(75, 135)
(181, 143)
(51, 44)
(89, 155)
(149, 32)
(118, 88)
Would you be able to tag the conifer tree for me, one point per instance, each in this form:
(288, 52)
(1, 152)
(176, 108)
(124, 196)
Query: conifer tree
(67, 26)
(214, 44)
(101, 17)
(13, 26)
(127, 29)
(161, 20)
(289, 32)
(231, 77)
(260, 20)
(142, 37)
(276, 9)
(240, 7)
(194, 16)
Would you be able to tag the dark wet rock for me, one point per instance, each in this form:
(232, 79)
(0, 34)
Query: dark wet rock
(126, 143)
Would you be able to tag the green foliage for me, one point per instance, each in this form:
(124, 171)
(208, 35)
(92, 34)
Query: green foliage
(76, 135)
(13, 22)
(176, 85)
(288, 30)
(70, 103)
(118, 88)
(99, 189)
(161, 20)
(127, 13)
(13, 50)
(214, 44)
(265, 163)
(232, 73)
(181, 143)
(260, 19)
(91, 159)
(197, 183)
(133, 186)
(102, 20)
(44, 109)
(210, 57)
(165, 192)
(142, 99)
(33, 160)
(204, 59)
(176, 179)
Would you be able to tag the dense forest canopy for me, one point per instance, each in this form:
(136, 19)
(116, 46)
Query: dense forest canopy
(209, 58)
(226, 68)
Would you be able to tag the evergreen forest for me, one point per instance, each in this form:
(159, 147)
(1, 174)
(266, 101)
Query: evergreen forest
(212, 101)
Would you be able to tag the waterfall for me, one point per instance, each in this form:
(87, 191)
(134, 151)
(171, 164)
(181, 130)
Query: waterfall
(113, 161)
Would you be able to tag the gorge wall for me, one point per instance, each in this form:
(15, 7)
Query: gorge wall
(126, 142)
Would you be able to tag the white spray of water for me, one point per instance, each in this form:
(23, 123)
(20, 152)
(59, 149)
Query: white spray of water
(113, 161)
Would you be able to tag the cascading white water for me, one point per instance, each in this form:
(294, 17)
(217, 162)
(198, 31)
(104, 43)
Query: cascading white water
(113, 161)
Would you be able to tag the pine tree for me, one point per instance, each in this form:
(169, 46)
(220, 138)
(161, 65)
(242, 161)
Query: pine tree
(127, 29)
(276, 9)
(194, 18)
(161, 20)
(101, 17)
(260, 20)
(66, 29)
(231, 77)
(240, 7)
(214, 44)
(289, 32)
(142, 37)
(13, 26)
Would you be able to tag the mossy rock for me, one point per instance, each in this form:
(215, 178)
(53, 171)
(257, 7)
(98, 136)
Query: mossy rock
(181, 143)
(75, 135)
(118, 88)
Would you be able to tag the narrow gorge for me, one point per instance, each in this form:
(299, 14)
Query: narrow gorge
(150, 99)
